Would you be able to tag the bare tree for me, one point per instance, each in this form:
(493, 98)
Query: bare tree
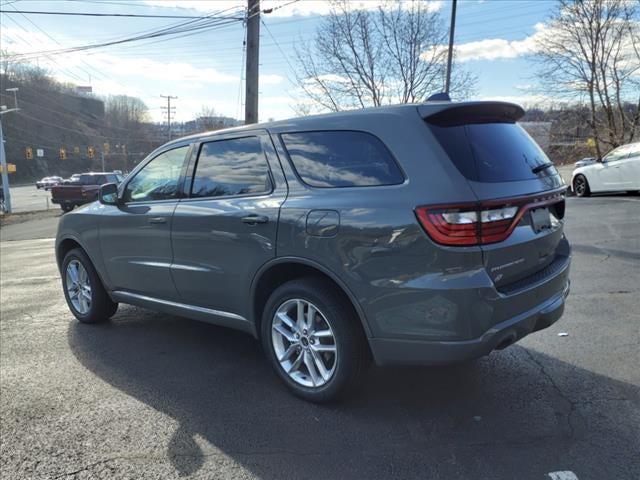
(209, 119)
(590, 49)
(361, 58)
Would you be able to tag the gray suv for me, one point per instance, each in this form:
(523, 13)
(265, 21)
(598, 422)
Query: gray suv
(413, 234)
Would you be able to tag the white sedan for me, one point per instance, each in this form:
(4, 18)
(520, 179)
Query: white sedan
(618, 170)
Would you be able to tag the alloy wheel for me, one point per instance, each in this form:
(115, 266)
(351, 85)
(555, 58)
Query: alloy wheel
(78, 287)
(304, 343)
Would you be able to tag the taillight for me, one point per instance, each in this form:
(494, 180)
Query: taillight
(481, 222)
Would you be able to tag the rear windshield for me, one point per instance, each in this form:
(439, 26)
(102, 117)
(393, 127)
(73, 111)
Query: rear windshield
(492, 152)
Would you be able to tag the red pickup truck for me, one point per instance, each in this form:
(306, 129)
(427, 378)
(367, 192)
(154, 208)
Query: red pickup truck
(84, 190)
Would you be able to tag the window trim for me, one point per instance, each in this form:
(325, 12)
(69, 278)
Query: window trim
(301, 180)
(129, 178)
(196, 161)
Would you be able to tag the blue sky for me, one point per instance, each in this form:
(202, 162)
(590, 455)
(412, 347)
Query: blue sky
(493, 37)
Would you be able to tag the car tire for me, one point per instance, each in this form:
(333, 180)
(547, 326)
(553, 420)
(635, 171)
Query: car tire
(66, 208)
(88, 305)
(333, 319)
(581, 186)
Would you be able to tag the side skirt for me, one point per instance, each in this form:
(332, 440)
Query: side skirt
(202, 314)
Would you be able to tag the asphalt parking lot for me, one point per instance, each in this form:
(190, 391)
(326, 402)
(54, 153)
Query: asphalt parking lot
(155, 396)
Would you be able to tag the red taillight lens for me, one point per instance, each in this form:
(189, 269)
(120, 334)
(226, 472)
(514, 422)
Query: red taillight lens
(450, 226)
(479, 223)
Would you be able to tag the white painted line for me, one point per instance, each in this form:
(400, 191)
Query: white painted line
(566, 475)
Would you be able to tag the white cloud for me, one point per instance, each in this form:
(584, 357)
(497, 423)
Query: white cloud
(271, 79)
(496, 48)
(281, 8)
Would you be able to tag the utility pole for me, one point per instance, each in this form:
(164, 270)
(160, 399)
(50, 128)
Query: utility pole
(102, 160)
(452, 30)
(3, 156)
(170, 110)
(252, 65)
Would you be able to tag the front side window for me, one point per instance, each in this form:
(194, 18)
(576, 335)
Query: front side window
(158, 179)
(236, 166)
(341, 159)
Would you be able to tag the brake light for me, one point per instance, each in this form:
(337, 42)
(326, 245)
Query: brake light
(479, 223)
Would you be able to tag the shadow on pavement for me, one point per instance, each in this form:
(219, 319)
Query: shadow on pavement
(515, 414)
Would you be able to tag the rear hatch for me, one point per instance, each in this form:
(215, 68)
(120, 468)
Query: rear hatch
(518, 218)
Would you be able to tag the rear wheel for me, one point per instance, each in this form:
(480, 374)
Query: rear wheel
(312, 340)
(86, 296)
(581, 186)
(66, 207)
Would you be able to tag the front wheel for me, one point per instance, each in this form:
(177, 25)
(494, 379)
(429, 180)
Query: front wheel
(86, 296)
(581, 186)
(66, 207)
(313, 340)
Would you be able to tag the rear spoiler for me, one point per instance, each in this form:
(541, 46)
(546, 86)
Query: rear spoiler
(450, 114)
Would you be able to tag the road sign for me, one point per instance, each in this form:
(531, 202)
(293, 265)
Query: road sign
(39, 153)
(11, 168)
(28, 152)
(76, 150)
(105, 148)
(63, 154)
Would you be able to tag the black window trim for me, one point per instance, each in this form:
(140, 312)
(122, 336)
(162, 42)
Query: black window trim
(301, 180)
(198, 149)
(155, 154)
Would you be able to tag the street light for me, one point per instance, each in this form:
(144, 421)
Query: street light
(3, 156)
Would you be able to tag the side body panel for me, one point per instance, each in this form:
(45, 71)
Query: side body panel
(404, 284)
(135, 240)
(216, 253)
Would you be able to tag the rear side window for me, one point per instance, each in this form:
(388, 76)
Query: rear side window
(231, 167)
(341, 159)
(492, 152)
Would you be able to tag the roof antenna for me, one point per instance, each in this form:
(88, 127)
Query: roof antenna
(442, 96)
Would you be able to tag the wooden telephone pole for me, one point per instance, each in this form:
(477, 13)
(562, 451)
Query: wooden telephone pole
(253, 59)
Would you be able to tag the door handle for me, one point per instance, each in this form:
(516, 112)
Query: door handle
(157, 220)
(254, 219)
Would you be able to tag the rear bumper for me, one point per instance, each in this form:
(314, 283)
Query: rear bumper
(419, 352)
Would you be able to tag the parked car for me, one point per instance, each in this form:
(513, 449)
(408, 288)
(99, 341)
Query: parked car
(618, 170)
(48, 182)
(84, 190)
(413, 234)
(73, 179)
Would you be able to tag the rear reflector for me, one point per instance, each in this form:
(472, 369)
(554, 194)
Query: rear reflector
(480, 223)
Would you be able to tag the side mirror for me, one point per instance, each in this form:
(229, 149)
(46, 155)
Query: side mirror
(109, 194)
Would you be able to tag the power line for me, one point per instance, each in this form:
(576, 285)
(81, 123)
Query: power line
(22, 114)
(190, 26)
(56, 41)
(284, 55)
(128, 15)
(46, 59)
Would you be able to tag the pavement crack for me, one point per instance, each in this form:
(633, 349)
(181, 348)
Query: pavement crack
(571, 404)
(86, 467)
